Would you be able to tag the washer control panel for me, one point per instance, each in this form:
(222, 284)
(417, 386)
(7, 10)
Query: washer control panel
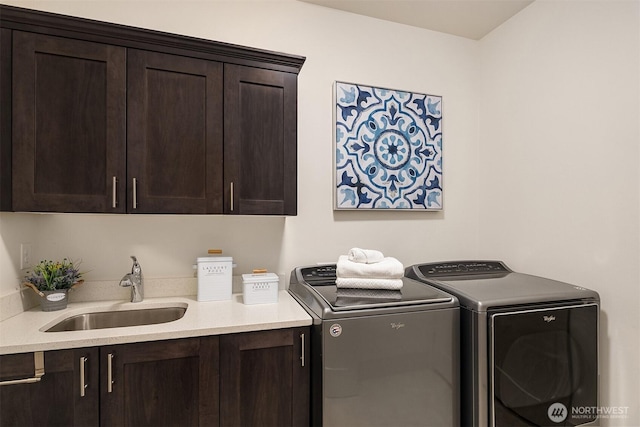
(320, 273)
(459, 268)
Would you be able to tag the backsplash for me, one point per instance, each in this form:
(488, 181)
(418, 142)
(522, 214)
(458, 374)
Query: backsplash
(107, 290)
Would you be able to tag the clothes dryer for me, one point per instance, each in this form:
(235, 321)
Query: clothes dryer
(529, 345)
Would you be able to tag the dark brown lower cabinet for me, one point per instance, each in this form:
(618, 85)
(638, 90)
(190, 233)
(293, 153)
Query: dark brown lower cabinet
(66, 395)
(248, 379)
(264, 378)
(161, 383)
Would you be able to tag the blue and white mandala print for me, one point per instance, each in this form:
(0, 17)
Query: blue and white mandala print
(388, 149)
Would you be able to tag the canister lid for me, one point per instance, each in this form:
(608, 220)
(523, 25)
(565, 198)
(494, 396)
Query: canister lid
(215, 259)
(260, 277)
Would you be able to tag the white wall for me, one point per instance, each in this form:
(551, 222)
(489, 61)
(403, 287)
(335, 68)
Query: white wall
(540, 155)
(338, 46)
(559, 161)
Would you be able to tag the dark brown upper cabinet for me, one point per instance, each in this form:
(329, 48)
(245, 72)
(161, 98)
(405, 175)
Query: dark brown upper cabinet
(260, 141)
(105, 118)
(5, 119)
(69, 115)
(174, 134)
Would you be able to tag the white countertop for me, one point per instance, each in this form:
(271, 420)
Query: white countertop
(25, 331)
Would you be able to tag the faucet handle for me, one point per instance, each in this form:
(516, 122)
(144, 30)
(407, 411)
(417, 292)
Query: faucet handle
(135, 281)
(135, 268)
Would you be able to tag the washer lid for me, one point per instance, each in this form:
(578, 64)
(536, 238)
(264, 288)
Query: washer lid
(322, 280)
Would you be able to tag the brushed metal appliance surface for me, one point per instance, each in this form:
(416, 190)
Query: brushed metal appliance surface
(380, 358)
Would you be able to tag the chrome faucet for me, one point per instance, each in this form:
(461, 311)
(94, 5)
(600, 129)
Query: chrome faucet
(134, 280)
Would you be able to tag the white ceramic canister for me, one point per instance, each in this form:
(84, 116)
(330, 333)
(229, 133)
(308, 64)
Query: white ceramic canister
(260, 288)
(214, 277)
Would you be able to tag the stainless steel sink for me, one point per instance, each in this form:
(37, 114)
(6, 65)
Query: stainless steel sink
(117, 319)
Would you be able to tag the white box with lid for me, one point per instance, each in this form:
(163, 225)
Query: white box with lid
(260, 288)
(215, 278)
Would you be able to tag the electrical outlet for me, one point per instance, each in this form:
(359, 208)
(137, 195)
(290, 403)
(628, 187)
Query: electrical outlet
(25, 256)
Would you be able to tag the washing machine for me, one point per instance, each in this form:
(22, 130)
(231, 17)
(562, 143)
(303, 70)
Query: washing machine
(529, 345)
(380, 357)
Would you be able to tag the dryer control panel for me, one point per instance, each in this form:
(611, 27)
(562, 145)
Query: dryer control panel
(459, 268)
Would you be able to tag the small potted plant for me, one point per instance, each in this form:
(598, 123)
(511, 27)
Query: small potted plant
(51, 280)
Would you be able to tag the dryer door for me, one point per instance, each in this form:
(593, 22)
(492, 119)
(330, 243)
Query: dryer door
(544, 366)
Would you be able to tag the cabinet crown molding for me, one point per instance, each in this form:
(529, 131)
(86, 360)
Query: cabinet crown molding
(18, 18)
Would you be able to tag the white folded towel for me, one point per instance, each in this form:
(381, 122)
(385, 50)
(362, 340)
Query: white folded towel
(368, 283)
(350, 294)
(388, 268)
(366, 256)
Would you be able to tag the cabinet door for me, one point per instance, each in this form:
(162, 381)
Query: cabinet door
(161, 383)
(58, 399)
(260, 157)
(265, 378)
(68, 125)
(5, 119)
(174, 132)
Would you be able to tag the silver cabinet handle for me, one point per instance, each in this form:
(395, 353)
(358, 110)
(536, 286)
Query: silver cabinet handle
(114, 192)
(38, 367)
(110, 357)
(135, 194)
(302, 355)
(83, 378)
(231, 196)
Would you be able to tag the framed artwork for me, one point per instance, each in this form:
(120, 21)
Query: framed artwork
(388, 149)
